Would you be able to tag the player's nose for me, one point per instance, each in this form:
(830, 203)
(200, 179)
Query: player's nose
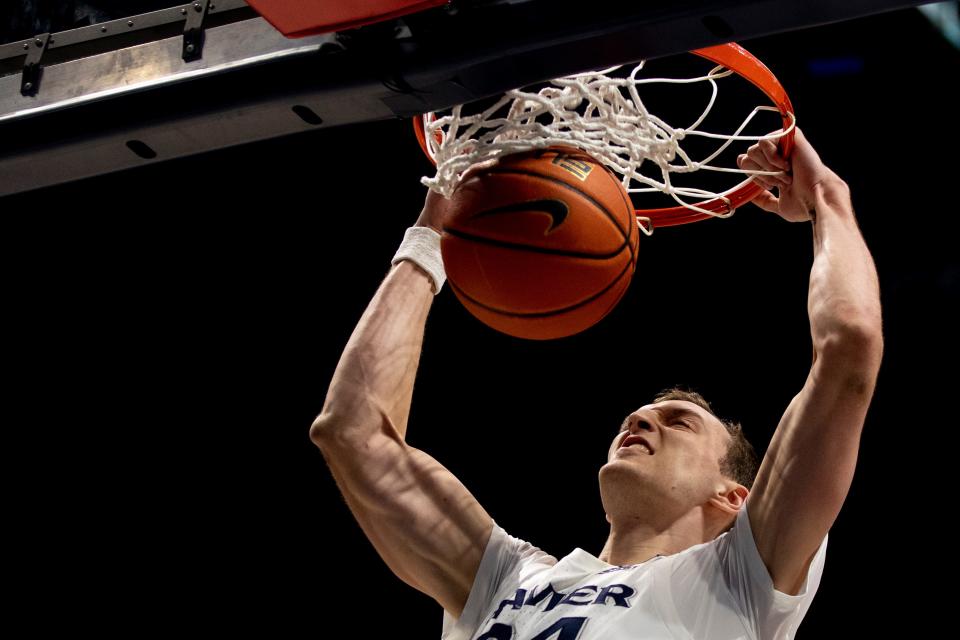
(640, 421)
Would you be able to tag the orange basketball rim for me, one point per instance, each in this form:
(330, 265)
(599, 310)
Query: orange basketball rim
(737, 59)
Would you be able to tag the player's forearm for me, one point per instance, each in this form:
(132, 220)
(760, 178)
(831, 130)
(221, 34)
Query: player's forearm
(844, 301)
(373, 382)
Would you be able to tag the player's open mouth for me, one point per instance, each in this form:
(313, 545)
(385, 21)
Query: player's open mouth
(630, 441)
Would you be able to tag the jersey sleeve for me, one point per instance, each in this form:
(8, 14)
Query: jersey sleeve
(735, 563)
(506, 562)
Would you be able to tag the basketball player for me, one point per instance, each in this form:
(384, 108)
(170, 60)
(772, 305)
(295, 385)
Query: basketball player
(697, 548)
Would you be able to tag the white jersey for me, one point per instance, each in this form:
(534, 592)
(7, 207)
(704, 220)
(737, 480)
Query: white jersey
(716, 590)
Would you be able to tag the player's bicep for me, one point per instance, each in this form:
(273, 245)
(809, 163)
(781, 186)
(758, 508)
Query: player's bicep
(423, 522)
(808, 469)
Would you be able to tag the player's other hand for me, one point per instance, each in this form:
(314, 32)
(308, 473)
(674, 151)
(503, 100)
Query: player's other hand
(797, 181)
(437, 210)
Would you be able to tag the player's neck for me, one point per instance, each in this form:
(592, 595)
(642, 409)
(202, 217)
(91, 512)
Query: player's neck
(632, 541)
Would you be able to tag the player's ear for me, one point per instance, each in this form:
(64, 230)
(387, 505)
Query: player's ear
(730, 497)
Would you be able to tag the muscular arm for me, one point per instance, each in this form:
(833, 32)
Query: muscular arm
(423, 522)
(378, 367)
(808, 469)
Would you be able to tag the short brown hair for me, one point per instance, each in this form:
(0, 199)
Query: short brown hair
(740, 462)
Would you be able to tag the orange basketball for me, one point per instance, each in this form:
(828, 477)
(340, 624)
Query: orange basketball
(543, 245)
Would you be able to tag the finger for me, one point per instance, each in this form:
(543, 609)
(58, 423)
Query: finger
(744, 161)
(756, 154)
(764, 182)
(781, 179)
(767, 201)
(767, 182)
(772, 154)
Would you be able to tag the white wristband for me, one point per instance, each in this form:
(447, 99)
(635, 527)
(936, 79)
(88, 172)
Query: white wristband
(421, 245)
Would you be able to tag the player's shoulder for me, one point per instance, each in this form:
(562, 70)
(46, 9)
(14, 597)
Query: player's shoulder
(518, 550)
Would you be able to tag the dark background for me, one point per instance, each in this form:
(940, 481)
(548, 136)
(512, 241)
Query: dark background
(172, 331)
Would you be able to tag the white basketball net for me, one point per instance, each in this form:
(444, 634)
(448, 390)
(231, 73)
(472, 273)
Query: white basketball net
(615, 128)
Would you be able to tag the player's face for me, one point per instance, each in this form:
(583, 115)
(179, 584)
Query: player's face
(674, 445)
